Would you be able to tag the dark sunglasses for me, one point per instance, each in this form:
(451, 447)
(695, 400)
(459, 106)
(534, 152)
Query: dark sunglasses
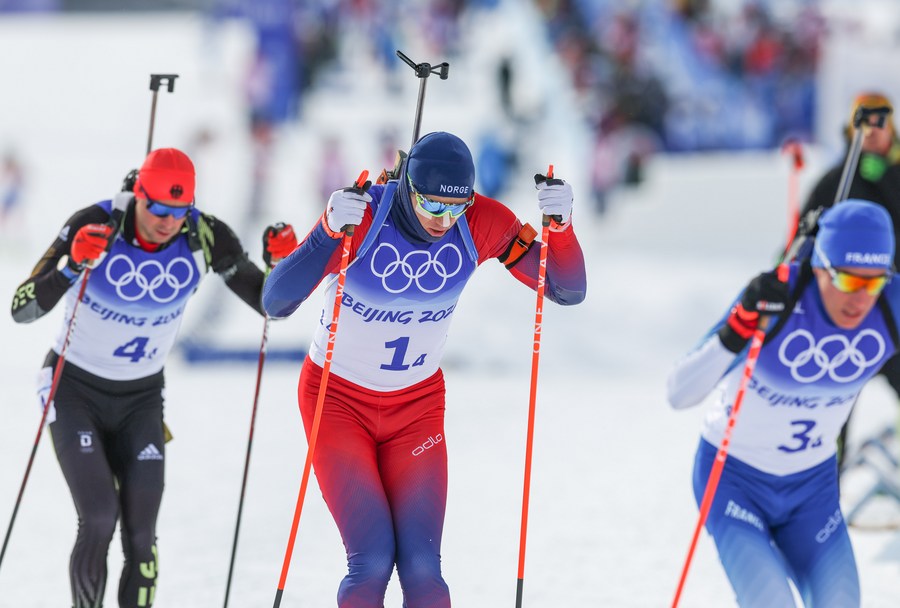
(163, 210)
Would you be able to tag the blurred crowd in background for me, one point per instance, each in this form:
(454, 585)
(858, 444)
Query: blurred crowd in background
(686, 76)
(650, 76)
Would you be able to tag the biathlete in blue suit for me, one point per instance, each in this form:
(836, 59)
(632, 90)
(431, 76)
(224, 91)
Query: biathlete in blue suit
(776, 516)
(106, 418)
(381, 453)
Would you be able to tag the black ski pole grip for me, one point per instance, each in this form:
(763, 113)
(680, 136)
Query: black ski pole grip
(862, 114)
(360, 186)
(158, 79)
(550, 181)
(424, 70)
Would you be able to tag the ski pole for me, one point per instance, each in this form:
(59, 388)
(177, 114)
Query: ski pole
(115, 221)
(712, 482)
(861, 124)
(795, 150)
(155, 81)
(237, 526)
(423, 71)
(361, 185)
(50, 396)
(532, 398)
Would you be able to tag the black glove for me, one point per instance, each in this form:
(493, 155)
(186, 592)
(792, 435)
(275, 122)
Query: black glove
(765, 294)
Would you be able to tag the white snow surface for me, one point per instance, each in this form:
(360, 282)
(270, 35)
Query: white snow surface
(611, 512)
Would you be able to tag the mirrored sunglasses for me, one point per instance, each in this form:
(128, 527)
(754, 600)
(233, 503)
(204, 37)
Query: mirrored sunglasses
(163, 210)
(847, 282)
(851, 283)
(437, 209)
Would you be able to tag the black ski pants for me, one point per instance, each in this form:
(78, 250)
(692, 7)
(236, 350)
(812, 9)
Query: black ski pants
(108, 437)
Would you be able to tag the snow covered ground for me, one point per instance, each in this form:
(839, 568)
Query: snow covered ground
(611, 511)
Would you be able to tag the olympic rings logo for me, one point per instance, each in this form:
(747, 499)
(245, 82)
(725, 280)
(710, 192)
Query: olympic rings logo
(429, 273)
(845, 365)
(163, 284)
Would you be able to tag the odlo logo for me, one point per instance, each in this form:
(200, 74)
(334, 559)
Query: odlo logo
(429, 443)
(830, 526)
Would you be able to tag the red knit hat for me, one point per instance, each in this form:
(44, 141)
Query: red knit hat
(166, 175)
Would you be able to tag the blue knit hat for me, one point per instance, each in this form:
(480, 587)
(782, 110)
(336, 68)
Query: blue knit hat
(440, 164)
(855, 233)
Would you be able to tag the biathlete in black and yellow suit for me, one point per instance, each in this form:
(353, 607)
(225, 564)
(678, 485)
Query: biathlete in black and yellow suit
(106, 419)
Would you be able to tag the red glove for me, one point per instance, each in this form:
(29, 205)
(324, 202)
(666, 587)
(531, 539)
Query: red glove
(90, 244)
(279, 241)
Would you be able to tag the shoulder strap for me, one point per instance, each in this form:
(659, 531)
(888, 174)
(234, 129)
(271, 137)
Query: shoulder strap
(466, 235)
(381, 213)
(200, 239)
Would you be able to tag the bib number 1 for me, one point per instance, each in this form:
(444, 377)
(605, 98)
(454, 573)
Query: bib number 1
(400, 346)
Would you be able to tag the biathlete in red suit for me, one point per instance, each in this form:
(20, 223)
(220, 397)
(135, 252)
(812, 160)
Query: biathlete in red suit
(381, 457)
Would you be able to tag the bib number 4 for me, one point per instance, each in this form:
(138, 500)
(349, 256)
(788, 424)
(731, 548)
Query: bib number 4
(135, 350)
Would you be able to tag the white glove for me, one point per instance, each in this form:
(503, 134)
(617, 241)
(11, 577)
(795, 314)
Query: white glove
(346, 207)
(555, 198)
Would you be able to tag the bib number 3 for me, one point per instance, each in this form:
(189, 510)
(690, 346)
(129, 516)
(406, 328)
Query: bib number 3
(803, 439)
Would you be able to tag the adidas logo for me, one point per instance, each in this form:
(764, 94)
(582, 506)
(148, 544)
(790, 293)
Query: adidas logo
(150, 453)
(64, 233)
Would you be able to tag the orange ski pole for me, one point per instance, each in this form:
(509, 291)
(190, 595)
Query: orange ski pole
(361, 184)
(535, 359)
(712, 483)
